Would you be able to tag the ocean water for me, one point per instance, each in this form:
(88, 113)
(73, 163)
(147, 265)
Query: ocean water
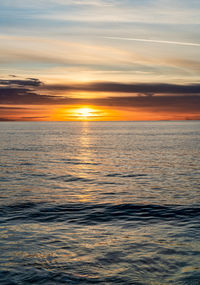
(100, 203)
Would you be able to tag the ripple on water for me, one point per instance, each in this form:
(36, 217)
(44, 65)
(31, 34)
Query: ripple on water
(95, 213)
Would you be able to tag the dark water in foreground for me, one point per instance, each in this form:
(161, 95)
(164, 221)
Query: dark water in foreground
(100, 203)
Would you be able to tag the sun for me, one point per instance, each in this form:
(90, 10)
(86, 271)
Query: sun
(85, 113)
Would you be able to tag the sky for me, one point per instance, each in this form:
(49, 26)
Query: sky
(104, 60)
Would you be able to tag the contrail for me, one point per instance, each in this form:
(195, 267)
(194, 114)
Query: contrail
(154, 41)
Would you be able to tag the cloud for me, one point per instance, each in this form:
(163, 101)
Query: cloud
(34, 82)
(152, 97)
(155, 41)
(148, 97)
(155, 88)
(125, 12)
(11, 108)
(52, 3)
(34, 117)
(59, 52)
(99, 55)
(25, 96)
(99, 3)
(158, 103)
(5, 119)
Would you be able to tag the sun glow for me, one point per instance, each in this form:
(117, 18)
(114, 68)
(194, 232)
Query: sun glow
(85, 112)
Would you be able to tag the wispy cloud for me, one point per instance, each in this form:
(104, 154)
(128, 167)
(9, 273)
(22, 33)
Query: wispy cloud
(41, 3)
(152, 12)
(48, 50)
(155, 41)
(100, 3)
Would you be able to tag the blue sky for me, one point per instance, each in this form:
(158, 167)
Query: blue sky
(40, 30)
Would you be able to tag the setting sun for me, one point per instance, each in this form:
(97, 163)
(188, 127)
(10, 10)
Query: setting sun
(85, 112)
(93, 113)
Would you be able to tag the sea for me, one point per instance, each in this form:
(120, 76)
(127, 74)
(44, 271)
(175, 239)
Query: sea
(100, 203)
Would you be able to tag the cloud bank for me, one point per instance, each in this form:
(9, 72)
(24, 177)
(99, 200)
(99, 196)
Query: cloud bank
(155, 88)
(151, 97)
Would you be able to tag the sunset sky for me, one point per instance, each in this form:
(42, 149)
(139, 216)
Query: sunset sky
(104, 60)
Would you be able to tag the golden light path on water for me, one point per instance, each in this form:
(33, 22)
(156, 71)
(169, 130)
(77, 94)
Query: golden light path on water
(100, 203)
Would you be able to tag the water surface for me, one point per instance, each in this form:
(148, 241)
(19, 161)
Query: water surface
(100, 203)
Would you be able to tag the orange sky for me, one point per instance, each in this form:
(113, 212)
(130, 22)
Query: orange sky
(88, 113)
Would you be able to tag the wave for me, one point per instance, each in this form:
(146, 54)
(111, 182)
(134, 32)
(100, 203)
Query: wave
(88, 214)
(125, 175)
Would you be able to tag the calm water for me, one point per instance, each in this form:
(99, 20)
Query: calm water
(100, 203)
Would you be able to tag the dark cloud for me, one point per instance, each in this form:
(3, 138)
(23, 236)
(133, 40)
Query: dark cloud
(5, 120)
(158, 103)
(32, 118)
(11, 108)
(154, 88)
(25, 96)
(148, 97)
(33, 82)
(179, 103)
